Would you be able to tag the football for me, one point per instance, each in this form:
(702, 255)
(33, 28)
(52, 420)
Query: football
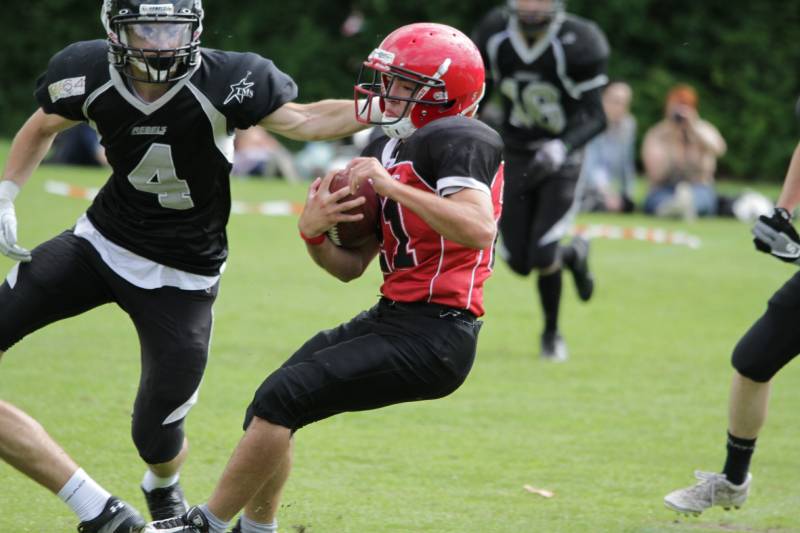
(355, 234)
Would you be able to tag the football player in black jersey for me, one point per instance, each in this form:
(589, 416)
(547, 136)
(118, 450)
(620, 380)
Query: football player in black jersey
(153, 241)
(549, 68)
(770, 343)
(438, 176)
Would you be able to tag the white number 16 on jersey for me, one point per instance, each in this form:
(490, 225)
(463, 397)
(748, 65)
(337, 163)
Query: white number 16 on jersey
(156, 174)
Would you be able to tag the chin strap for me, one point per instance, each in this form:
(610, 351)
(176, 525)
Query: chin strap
(402, 129)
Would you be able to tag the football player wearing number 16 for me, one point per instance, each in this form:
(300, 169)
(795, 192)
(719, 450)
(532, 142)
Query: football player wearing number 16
(439, 178)
(770, 343)
(153, 241)
(549, 68)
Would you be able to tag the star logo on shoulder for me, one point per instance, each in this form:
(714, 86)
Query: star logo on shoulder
(241, 90)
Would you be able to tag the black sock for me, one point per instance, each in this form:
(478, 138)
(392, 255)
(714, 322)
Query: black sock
(738, 462)
(568, 255)
(550, 298)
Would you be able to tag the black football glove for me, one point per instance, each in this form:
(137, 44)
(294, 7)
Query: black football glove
(776, 236)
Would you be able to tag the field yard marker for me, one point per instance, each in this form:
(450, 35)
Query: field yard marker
(653, 235)
(281, 208)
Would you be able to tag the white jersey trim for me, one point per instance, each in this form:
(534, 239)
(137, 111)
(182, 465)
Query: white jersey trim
(575, 90)
(137, 270)
(438, 268)
(472, 279)
(149, 108)
(529, 54)
(219, 124)
(453, 184)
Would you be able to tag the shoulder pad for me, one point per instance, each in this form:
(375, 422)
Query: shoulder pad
(584, 42)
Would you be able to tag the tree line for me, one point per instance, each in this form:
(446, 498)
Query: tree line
(742, 57)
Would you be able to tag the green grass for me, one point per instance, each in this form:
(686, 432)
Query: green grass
(641, 403)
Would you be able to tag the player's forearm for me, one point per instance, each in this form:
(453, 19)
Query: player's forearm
(326, 119)
(587, 122)
(467, 223)
(29, 147)
(343, 264)
(790, 194)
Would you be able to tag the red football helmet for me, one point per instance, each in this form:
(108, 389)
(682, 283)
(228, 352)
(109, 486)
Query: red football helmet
(444, 65)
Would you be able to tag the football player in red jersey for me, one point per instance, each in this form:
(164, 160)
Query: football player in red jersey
(438, 174)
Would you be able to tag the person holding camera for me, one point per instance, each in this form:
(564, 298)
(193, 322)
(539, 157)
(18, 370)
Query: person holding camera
(680, 157)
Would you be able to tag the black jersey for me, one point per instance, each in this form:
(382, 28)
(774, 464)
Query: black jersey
(543, 83)
(418, 264)
(168, 198)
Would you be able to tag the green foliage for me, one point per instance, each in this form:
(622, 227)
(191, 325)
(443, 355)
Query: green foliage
(739, 55)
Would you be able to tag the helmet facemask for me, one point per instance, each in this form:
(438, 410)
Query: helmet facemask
(532, 21)
(155, 45)
(390, 83)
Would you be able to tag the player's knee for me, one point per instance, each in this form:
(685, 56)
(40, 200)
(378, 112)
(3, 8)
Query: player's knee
(748, 359)
(546, 261)
(157, 443)
(276, 402)
(519, 266)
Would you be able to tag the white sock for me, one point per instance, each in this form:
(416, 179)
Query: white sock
(84, 496)
(250, 526)
(215, 524)
(152, 481)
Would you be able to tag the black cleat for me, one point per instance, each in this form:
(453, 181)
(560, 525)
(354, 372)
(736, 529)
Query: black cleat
(552, 347)
(192, 521)
(237, 527)
(167, 502)
(117, 517)
(584, 281)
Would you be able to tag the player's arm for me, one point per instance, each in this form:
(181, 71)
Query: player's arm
(321, 212)
(465, 217)
(588, 121)
(325, 119)
(27, 150)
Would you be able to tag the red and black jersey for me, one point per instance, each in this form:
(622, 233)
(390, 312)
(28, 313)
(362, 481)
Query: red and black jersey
(443, 157)
(168, 197)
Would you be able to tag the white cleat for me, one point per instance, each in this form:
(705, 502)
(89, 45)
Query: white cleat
(712, 489)
(553, 347)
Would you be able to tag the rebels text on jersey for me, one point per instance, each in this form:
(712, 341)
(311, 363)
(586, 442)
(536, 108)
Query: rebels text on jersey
(541, 83)
(419, 265)
(168, 198)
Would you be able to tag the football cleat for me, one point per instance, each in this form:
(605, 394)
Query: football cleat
(166, 502)
(584, 281)
(553, 347)
(117, 517)
(712, 489)
(237, 527)
(192, 521)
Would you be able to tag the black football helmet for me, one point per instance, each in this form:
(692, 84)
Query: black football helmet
(531, 18)
(154, 41)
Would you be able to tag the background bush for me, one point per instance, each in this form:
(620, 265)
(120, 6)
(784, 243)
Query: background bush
(741, 56)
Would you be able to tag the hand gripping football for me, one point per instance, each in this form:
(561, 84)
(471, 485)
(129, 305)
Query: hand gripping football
(355, 234)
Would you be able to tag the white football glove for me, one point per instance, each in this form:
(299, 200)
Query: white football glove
(549, 157)
(8, 223)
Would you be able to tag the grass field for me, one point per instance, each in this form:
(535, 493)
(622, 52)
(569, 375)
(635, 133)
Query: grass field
(640, 404)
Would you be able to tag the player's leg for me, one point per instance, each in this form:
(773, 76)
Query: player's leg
(59, 282)
(517, 221)
(174, 328)
(767, 347)
(553, 218)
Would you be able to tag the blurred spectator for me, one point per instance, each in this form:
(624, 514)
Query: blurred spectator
(257, 153)
(78, 145)
(680, 157)
(608, 173)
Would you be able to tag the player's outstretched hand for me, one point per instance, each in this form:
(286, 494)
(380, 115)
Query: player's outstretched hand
(8, 223)
(776, 236)
(548, 158)
(323, 209)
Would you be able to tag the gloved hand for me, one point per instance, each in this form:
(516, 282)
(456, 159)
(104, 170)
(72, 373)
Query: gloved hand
(548, 158)
(776, 236)
(8, 223)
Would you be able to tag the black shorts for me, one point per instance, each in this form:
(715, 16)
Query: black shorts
(67, 277)
(774, 339)
(390, 354)
(536, 213)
